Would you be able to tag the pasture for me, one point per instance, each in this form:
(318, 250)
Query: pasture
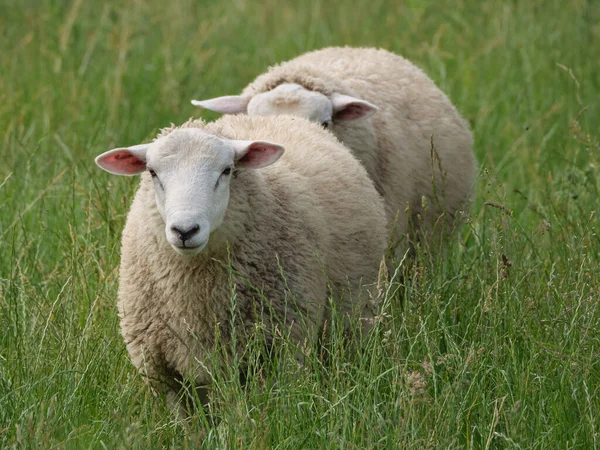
(494, 344)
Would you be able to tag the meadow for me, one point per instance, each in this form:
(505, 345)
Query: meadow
(494, 343)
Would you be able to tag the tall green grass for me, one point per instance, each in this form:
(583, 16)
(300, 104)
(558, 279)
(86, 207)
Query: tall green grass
(494, 344)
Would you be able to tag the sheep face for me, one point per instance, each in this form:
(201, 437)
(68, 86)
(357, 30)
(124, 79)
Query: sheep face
(295, 100)
(191, 171)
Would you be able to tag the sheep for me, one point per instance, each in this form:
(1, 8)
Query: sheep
(215, 206)
(414, 144)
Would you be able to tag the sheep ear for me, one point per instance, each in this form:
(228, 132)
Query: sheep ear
(351, 108)
(124, 161)
(256, 154)
(230, 104)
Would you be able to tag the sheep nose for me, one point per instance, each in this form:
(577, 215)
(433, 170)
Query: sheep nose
(184, 235)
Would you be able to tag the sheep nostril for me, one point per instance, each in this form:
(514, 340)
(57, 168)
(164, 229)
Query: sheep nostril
(184, 235)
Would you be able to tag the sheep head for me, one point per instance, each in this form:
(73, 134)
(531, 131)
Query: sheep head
(293, 99)
(191, 172)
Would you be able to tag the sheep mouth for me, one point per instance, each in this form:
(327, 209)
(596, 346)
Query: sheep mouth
(187, 250)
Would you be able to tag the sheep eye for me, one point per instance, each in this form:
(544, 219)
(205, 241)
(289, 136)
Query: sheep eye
(155, 178)
(226, 172)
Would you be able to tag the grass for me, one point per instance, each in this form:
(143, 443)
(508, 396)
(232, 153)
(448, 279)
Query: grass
(494, 345)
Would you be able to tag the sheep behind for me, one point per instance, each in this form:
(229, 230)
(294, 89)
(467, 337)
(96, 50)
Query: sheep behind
(414, 144)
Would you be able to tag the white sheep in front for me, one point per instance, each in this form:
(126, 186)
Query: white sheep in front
(414, 144)
(297, 227)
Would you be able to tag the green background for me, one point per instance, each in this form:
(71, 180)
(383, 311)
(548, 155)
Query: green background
(496, 343)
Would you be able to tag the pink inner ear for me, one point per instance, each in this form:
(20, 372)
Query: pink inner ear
(352, 111)
(124, 162)
(260, 155)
